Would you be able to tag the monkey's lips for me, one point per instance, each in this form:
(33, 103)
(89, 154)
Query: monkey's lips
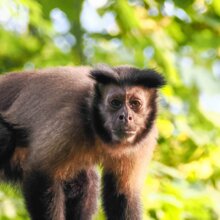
(124, 133)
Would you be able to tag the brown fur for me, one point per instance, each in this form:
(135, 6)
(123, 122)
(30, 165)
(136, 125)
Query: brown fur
(19, 157)
(48, 85)
(57, 203)
(47, 104)
(131, 168)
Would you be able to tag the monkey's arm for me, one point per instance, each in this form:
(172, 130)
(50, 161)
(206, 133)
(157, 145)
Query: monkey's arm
(119, 204)
(122, 182)
(81, 194)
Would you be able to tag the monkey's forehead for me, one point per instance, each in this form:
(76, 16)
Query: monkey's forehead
(115, 90)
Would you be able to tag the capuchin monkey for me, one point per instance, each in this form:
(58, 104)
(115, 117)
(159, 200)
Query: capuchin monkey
(57, 124)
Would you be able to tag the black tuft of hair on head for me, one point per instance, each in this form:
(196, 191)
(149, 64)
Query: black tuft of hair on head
(104, 74)
(148, 78)
(126, 75)
(103, 77)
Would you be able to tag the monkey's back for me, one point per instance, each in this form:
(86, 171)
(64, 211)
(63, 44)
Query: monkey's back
(48, 104)
(10, 87)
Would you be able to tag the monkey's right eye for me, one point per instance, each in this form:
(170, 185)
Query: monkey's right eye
(116, 103)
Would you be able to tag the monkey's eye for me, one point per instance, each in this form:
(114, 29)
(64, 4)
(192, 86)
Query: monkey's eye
(135, 104)
(116, 103)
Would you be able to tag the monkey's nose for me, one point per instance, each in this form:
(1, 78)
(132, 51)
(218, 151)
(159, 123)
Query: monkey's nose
(123, 118)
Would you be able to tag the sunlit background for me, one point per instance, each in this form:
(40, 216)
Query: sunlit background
(179, 38)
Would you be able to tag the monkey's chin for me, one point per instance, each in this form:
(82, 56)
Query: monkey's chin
(125, 137)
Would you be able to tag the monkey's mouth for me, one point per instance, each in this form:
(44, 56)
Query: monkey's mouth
(124, 133)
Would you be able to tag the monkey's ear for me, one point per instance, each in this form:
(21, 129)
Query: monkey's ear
(104, 75)
(153, 78)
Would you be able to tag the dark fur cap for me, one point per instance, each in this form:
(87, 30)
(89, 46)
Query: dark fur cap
(126, 75)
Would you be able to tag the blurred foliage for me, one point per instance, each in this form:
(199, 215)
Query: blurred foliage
(180, 39)
(11, 204)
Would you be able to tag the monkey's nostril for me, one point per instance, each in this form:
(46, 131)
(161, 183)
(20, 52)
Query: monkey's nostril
(121, 117)
(130, 118)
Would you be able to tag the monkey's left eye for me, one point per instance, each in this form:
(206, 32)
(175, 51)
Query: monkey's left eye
(135, 104)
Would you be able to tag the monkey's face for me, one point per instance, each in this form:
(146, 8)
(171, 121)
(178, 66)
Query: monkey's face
(125, 111)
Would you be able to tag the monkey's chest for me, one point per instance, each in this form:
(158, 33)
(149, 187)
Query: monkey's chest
(76, 162)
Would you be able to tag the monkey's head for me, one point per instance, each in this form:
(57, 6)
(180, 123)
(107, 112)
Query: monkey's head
(125, 103)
